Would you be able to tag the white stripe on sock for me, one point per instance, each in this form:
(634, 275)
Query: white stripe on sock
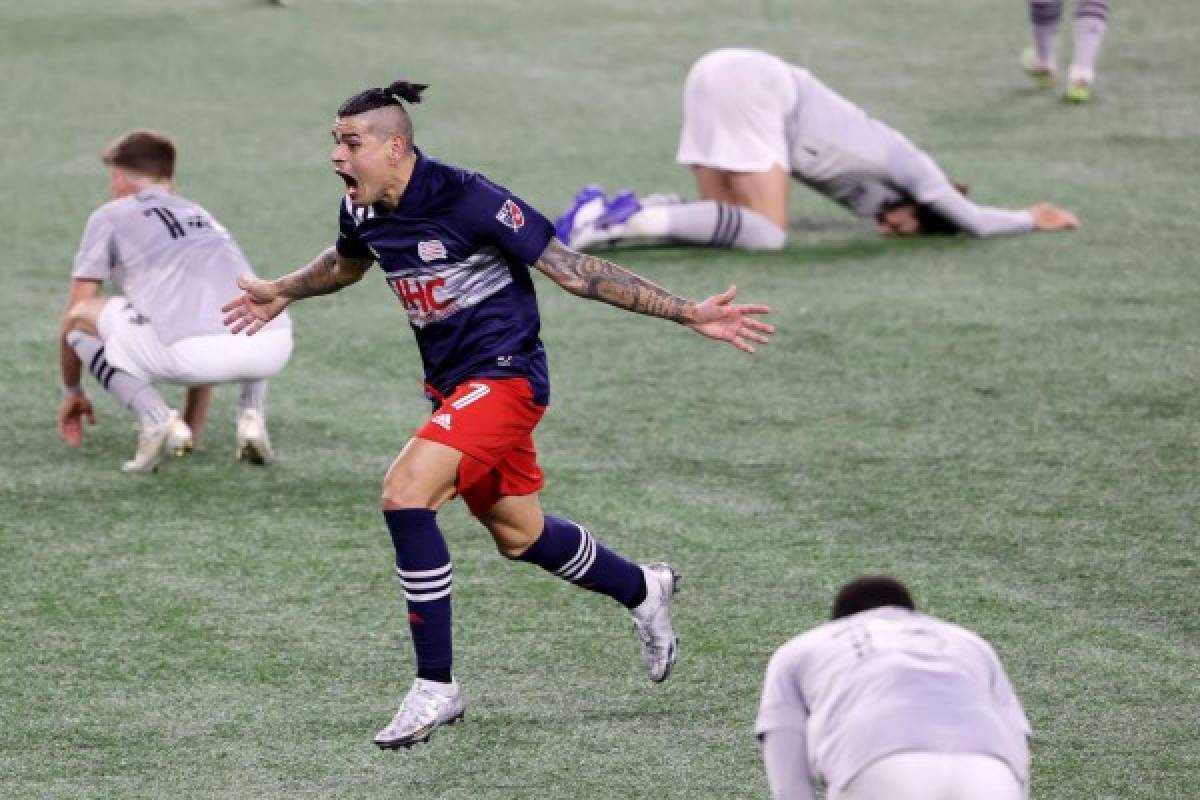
(577, 567)
(426, 597)
(424, 573)
(425, 585)
(580, 553)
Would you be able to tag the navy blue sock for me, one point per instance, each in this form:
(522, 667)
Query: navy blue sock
(423, 564)
(571, 552)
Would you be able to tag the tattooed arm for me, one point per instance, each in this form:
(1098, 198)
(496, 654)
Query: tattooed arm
(325, 274)
(595, 278)
(261, 301)
(588, 276)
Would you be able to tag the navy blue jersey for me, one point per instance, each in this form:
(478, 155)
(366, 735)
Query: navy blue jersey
(456, 252)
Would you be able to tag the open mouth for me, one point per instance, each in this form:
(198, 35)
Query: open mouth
(350, 181)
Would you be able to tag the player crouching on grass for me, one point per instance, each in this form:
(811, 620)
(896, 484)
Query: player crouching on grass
(175, 264)
(455, 249)
(751, 123)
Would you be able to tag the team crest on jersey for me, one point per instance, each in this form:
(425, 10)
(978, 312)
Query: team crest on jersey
(432, 250)
(511, 216)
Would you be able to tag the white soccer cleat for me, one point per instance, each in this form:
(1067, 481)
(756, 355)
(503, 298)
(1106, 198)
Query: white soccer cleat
(1043, 75)
(155, 442)
(253, 444)
(593, 237)
(427, 706)
(652, 621)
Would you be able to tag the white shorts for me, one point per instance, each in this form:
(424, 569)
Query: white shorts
(131, 344)
(736, 105)
(934, 776)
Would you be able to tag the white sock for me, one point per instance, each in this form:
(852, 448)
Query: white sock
(1091, 23)
(135, 394)
(253, 394)
(705, 222)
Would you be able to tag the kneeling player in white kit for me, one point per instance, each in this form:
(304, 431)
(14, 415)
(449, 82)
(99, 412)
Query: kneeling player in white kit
(885, 703)
(175, 265)
(751, 123)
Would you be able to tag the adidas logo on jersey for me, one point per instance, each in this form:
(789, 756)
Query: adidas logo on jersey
(441, 420)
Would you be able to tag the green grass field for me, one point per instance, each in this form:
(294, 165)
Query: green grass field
(1011, 425)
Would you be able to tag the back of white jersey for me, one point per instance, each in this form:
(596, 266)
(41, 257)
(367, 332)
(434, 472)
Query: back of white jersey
(888, 681)
(857, 161)
(840, 150)
(170, 258)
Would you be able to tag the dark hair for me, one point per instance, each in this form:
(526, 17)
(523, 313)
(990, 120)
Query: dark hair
(146, 152)
(395, 93)
(871, 591)
(929, 222)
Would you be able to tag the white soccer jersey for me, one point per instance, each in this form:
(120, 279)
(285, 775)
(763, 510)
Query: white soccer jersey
(170, 258)
(843, 152)
(889, 681)
(745, 110)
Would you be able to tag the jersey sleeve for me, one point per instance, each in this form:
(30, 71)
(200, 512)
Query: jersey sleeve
(918, 175)
(97, 250)
(785, 756)
(782, 702)
(498, 217)
(782, 724)
(1004, 695)
(348, 243)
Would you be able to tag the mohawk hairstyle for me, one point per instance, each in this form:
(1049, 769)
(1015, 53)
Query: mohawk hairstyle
(871, 591)
(394, 95)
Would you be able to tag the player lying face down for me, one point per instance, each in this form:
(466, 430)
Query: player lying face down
(753, 124)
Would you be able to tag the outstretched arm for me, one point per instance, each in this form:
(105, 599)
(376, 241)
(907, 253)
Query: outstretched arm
(925, 182)
(262, 301)
(982, 221)
(595, 278)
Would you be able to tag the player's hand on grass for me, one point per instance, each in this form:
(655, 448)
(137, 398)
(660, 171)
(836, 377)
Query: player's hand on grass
(720, 318)
(74, 410)
(260, 303)
(1047, 217)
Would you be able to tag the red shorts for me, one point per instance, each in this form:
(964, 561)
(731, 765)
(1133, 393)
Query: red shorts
(490, 421)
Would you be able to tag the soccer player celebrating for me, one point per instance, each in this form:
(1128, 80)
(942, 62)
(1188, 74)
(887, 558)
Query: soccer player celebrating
(751, 122)
(455, 249)
(175, 264)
